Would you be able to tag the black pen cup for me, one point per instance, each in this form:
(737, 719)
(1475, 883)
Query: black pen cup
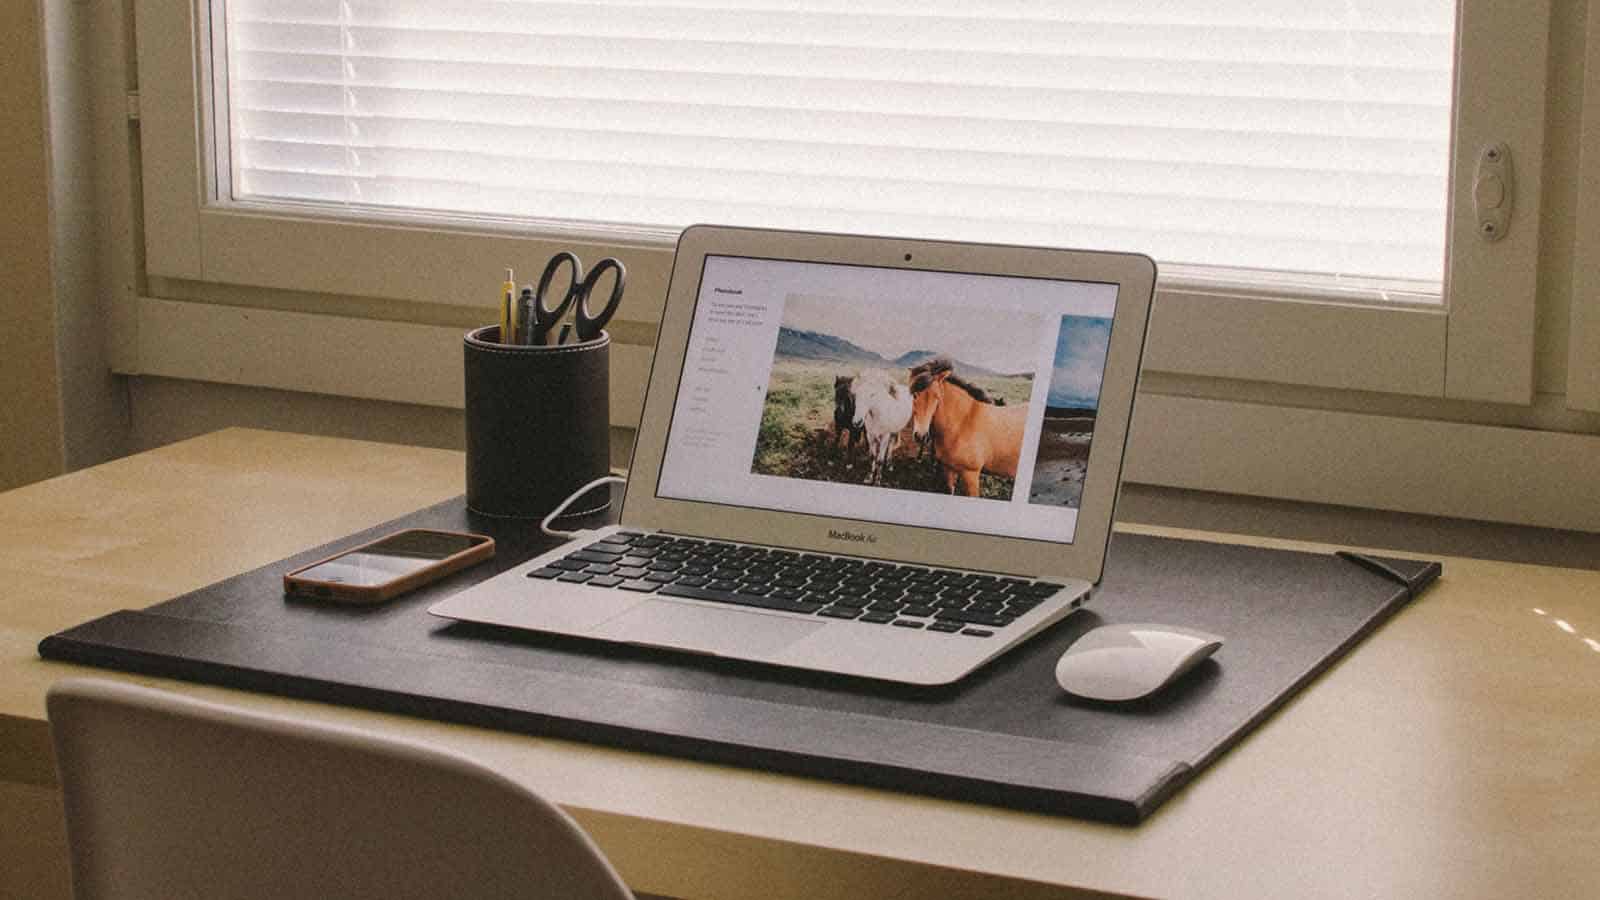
(538, 424)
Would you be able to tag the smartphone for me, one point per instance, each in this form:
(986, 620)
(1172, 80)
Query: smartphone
(389, 566)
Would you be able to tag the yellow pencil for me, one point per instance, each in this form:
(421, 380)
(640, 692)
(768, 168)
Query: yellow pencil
(508, 309)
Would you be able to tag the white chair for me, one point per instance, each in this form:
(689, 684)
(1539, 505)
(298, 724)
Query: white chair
(169, 797)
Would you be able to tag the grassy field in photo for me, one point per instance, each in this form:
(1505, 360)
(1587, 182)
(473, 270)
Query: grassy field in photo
(797, 438)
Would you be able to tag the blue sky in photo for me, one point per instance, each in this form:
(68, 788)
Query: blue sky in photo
(1080, 361)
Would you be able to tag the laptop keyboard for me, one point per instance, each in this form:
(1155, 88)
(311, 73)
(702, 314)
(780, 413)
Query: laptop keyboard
(834, 587)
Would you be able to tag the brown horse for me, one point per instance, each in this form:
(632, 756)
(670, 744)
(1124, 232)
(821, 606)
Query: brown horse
(971, 434)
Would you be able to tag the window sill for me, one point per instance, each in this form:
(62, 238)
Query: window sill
(1261, 449)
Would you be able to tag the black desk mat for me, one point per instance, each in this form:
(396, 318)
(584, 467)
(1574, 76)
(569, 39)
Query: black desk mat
(1005, 735)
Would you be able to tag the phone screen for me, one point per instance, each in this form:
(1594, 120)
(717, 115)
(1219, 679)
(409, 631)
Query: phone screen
(393, 557)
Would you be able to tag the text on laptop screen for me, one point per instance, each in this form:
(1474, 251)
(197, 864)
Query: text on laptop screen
(937, 399)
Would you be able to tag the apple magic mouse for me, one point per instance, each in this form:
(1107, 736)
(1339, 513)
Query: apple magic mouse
(1127, 662)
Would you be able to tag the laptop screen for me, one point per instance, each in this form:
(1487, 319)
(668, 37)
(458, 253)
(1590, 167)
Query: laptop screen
(945, 400)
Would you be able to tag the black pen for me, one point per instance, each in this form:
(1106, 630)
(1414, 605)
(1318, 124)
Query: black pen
(527, 329)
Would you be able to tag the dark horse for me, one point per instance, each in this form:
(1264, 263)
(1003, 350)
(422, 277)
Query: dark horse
(844, 412)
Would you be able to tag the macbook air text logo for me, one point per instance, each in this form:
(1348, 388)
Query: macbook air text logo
(859, 537)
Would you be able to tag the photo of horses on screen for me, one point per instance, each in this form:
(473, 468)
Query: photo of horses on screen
(936, 401)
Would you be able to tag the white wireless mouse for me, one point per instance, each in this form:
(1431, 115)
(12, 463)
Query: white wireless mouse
(1127, 662)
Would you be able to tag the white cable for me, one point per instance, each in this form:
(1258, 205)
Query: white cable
(556, 513)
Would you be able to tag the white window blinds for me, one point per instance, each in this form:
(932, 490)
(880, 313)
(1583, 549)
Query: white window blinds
(1308, 136)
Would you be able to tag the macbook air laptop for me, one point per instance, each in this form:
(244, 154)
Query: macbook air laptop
(880, 457)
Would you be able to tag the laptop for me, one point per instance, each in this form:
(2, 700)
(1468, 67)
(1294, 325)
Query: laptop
(880, 457)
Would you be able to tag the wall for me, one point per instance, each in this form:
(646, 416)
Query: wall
(63, 408)
(30, 413)
(1563, 115)
(94, 403)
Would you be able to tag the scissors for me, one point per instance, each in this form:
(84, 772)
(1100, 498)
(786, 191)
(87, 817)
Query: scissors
(544, 317)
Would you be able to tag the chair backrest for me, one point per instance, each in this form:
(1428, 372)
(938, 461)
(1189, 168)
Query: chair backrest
(172, 797)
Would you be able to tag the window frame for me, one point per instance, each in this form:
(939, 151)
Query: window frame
(1583, 352)
(1247, 392)
(1478, 346)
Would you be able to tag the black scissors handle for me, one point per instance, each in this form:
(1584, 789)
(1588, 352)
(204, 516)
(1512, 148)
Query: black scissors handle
(590, 323)
(546, 317)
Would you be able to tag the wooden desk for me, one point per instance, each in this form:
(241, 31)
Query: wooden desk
(1455, 754)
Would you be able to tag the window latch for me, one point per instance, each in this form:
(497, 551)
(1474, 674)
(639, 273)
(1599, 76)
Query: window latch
(1492, 191)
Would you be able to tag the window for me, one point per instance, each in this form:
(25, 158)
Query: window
(1477, 345)
(1265, 385)
(1297, 136)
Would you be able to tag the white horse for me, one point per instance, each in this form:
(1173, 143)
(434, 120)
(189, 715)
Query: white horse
(883, 408)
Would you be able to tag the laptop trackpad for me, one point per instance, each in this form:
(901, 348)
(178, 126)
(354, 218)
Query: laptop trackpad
(722, 631)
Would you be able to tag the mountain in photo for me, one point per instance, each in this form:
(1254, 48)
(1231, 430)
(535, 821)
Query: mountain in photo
(1069, 412)
(799, 344)
(918, 357)
(814, 345)
(914, 358)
